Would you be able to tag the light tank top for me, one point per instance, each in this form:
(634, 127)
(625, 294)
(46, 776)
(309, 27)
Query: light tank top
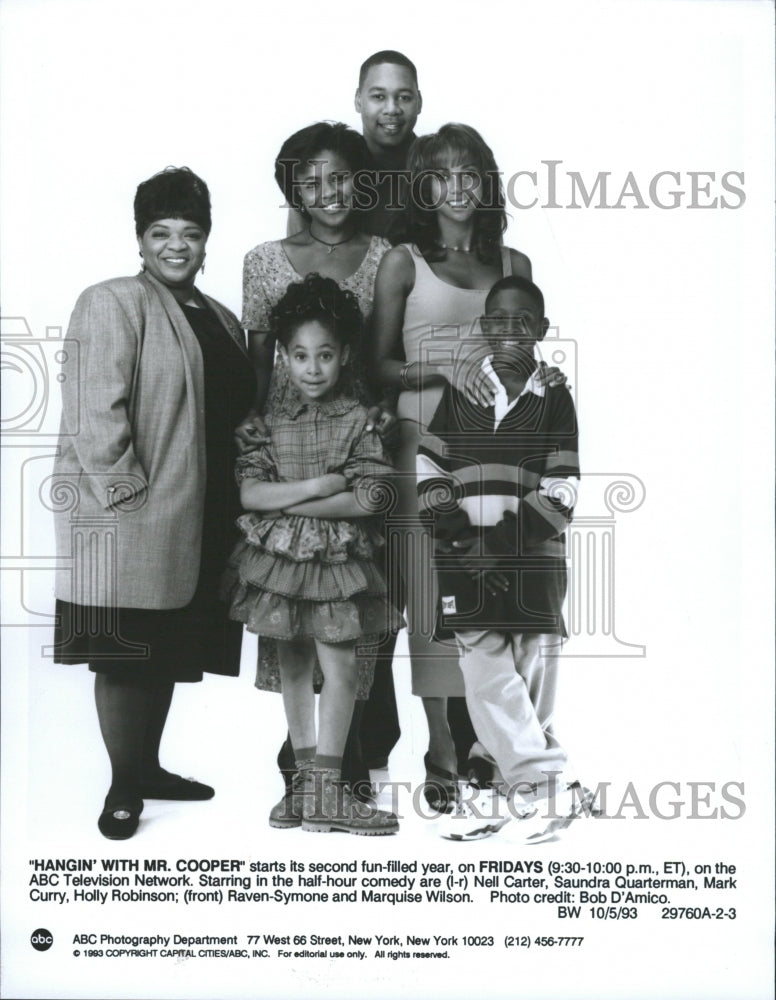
(438, 320)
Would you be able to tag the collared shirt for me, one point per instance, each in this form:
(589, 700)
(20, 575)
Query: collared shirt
(501, 404)
(527, 468)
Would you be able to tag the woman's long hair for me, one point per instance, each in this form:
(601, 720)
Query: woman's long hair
(457, 144)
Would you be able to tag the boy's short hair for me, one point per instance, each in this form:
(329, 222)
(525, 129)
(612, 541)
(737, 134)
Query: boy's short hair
(386, 56)
(519, 284)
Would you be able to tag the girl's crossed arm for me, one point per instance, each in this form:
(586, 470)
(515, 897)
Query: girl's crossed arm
(366, 472)
(256, 494)
(357, 502)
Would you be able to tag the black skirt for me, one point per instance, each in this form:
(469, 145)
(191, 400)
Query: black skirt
(171, 645)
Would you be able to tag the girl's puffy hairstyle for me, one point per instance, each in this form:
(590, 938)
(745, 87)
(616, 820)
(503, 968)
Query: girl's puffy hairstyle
(455, 144)
(173, 193)
(308, 144)
(321, 299)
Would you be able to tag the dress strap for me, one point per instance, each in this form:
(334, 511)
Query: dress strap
(506, 262)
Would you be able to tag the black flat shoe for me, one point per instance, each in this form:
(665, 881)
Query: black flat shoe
(120, 816)
(172, 786)
(440, 788)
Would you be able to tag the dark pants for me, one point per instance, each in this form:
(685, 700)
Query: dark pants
(380, 729)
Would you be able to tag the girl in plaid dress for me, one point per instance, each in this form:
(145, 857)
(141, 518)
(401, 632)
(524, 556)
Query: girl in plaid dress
(304, 573)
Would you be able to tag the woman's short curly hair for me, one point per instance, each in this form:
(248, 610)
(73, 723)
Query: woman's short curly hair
(173, 193)
(321, 299)
(308, 144)
(460, 144)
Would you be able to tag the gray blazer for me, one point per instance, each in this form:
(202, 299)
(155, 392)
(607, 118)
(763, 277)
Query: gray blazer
(129, 477)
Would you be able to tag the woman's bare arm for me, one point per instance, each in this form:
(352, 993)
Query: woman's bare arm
(395, 280)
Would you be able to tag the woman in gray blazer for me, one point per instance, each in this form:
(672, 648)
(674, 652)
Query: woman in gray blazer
(144, 492)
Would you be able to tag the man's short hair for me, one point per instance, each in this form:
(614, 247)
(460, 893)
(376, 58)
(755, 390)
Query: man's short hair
(386, 56)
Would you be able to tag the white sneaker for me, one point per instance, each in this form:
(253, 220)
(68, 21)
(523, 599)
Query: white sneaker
(588, 800)
(547, 822)
(475, 817)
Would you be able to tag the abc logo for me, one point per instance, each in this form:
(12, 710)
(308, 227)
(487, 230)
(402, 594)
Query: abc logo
(41, 939)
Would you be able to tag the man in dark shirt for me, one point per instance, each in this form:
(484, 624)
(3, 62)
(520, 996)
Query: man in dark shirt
(389, 102)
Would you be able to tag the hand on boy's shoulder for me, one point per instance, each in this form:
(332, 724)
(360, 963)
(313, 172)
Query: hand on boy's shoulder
(471, 382)
(551, 377)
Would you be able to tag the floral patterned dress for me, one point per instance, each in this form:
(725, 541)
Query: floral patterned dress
(296, 576)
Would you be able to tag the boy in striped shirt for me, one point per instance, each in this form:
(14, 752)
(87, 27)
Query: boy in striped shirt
(499, 485)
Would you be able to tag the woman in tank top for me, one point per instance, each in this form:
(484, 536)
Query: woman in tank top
(429, 295)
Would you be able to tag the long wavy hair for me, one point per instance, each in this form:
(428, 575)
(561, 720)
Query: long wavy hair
(457, 144)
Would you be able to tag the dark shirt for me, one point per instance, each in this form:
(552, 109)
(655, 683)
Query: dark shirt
(229, 392)
(382, 194)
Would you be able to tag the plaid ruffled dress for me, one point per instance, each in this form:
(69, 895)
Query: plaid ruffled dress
(294, 576)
